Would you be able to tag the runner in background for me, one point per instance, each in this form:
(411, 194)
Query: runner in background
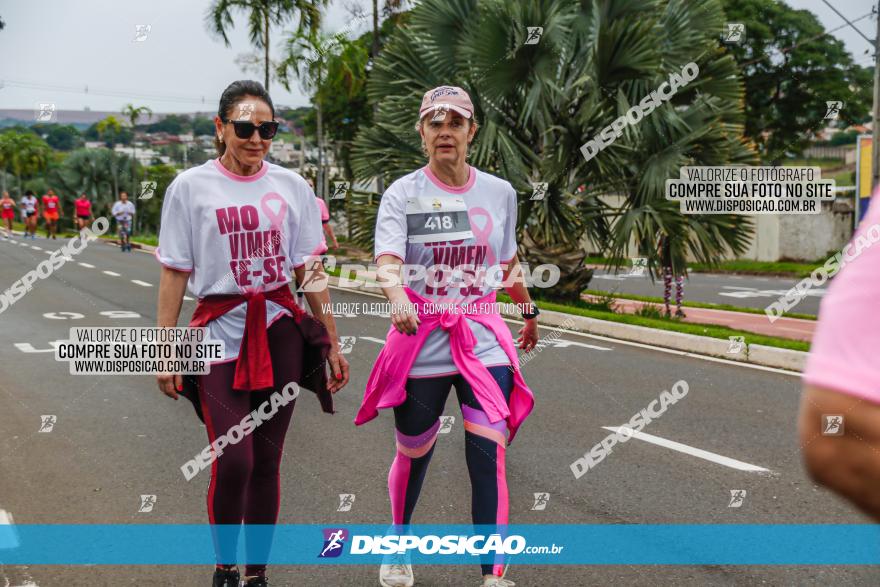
(449, 215)
(30, 207)
(325, 222)
(51, 213)
(83, 209)
(123, 212)
(7, 212)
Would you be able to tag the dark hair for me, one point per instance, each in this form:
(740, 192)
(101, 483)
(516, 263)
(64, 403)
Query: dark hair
(29, 193)
(232, 94)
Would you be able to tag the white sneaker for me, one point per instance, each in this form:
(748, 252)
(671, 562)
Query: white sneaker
(494, 581)
(396, 574)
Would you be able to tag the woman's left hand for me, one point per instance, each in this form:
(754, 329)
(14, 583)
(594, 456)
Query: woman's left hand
(528, 335)
(338, 371)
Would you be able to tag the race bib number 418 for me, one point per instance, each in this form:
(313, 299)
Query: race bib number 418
(431, 220)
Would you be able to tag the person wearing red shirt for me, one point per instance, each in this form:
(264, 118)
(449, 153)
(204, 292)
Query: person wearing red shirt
(83, 211)
(7, 212)
(51, 213)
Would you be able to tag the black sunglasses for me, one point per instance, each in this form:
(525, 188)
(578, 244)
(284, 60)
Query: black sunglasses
(244, 129)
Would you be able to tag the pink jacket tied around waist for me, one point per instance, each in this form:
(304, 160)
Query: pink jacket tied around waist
(386, 387)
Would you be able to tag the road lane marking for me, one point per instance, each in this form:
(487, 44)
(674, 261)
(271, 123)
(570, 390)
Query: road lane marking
(371, 339)
(110, 273)
(87, 266)
(36, 248)
(690, 450)
(561, 344)
(63, 316)
(187, 298)
(143, 283)
(27, 347)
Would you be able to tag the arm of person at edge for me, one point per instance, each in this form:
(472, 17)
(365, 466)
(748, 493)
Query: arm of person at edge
(318, 302)
(328, 231)
(528, 334)
(403, 315)
(172, 285)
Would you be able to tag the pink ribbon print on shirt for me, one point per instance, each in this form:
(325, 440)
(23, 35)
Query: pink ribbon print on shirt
(256, 257)
(473, 256)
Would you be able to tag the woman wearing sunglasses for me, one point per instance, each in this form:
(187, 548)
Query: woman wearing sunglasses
(233, 230)
(454, 227)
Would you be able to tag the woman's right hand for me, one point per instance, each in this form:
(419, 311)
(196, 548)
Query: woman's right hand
(170, 384)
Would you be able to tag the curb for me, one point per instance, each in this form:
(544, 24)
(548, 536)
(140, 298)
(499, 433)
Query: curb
(753, 354)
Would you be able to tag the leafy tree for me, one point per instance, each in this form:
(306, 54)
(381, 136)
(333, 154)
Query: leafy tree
(537, 104)
(202, 126)
(63, 137)
(172, 124)
(306, 59)
(23, 155)
(150, 210)
(110, 131)
(262, 15)
(844, 138)
(96, 172)
(133, 114)
(791, 67)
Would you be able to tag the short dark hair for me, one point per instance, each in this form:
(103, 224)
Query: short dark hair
(29, 193)
(232, 94)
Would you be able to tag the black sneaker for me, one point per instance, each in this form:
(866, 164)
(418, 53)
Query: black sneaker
(226, 578)
(257, 582)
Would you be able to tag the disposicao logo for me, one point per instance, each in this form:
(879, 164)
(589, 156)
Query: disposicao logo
(334, 540)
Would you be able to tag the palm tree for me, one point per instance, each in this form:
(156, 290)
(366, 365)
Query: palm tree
(261, 16)
(306, 59)
(97, 172)
(133, 114)
(538, 103)
(111, 123)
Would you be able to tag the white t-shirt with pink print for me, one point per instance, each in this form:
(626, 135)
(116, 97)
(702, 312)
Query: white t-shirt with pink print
(491, 211)
(232, 233)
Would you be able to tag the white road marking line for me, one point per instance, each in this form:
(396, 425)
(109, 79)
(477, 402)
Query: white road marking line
(187, 298)
(27, 347)
(642, 345)
(690, 450)
(110, 273)
(561, 344)
(36, 248)
(371, 339)
(143, 283)
(86, 265)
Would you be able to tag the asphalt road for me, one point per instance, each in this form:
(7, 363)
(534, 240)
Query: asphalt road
(117, 437)
(746, 291)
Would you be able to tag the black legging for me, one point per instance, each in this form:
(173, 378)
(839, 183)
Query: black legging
(245, 480)
(418, 420)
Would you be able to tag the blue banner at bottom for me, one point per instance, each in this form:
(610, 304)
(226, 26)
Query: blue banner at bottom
(612, 544)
